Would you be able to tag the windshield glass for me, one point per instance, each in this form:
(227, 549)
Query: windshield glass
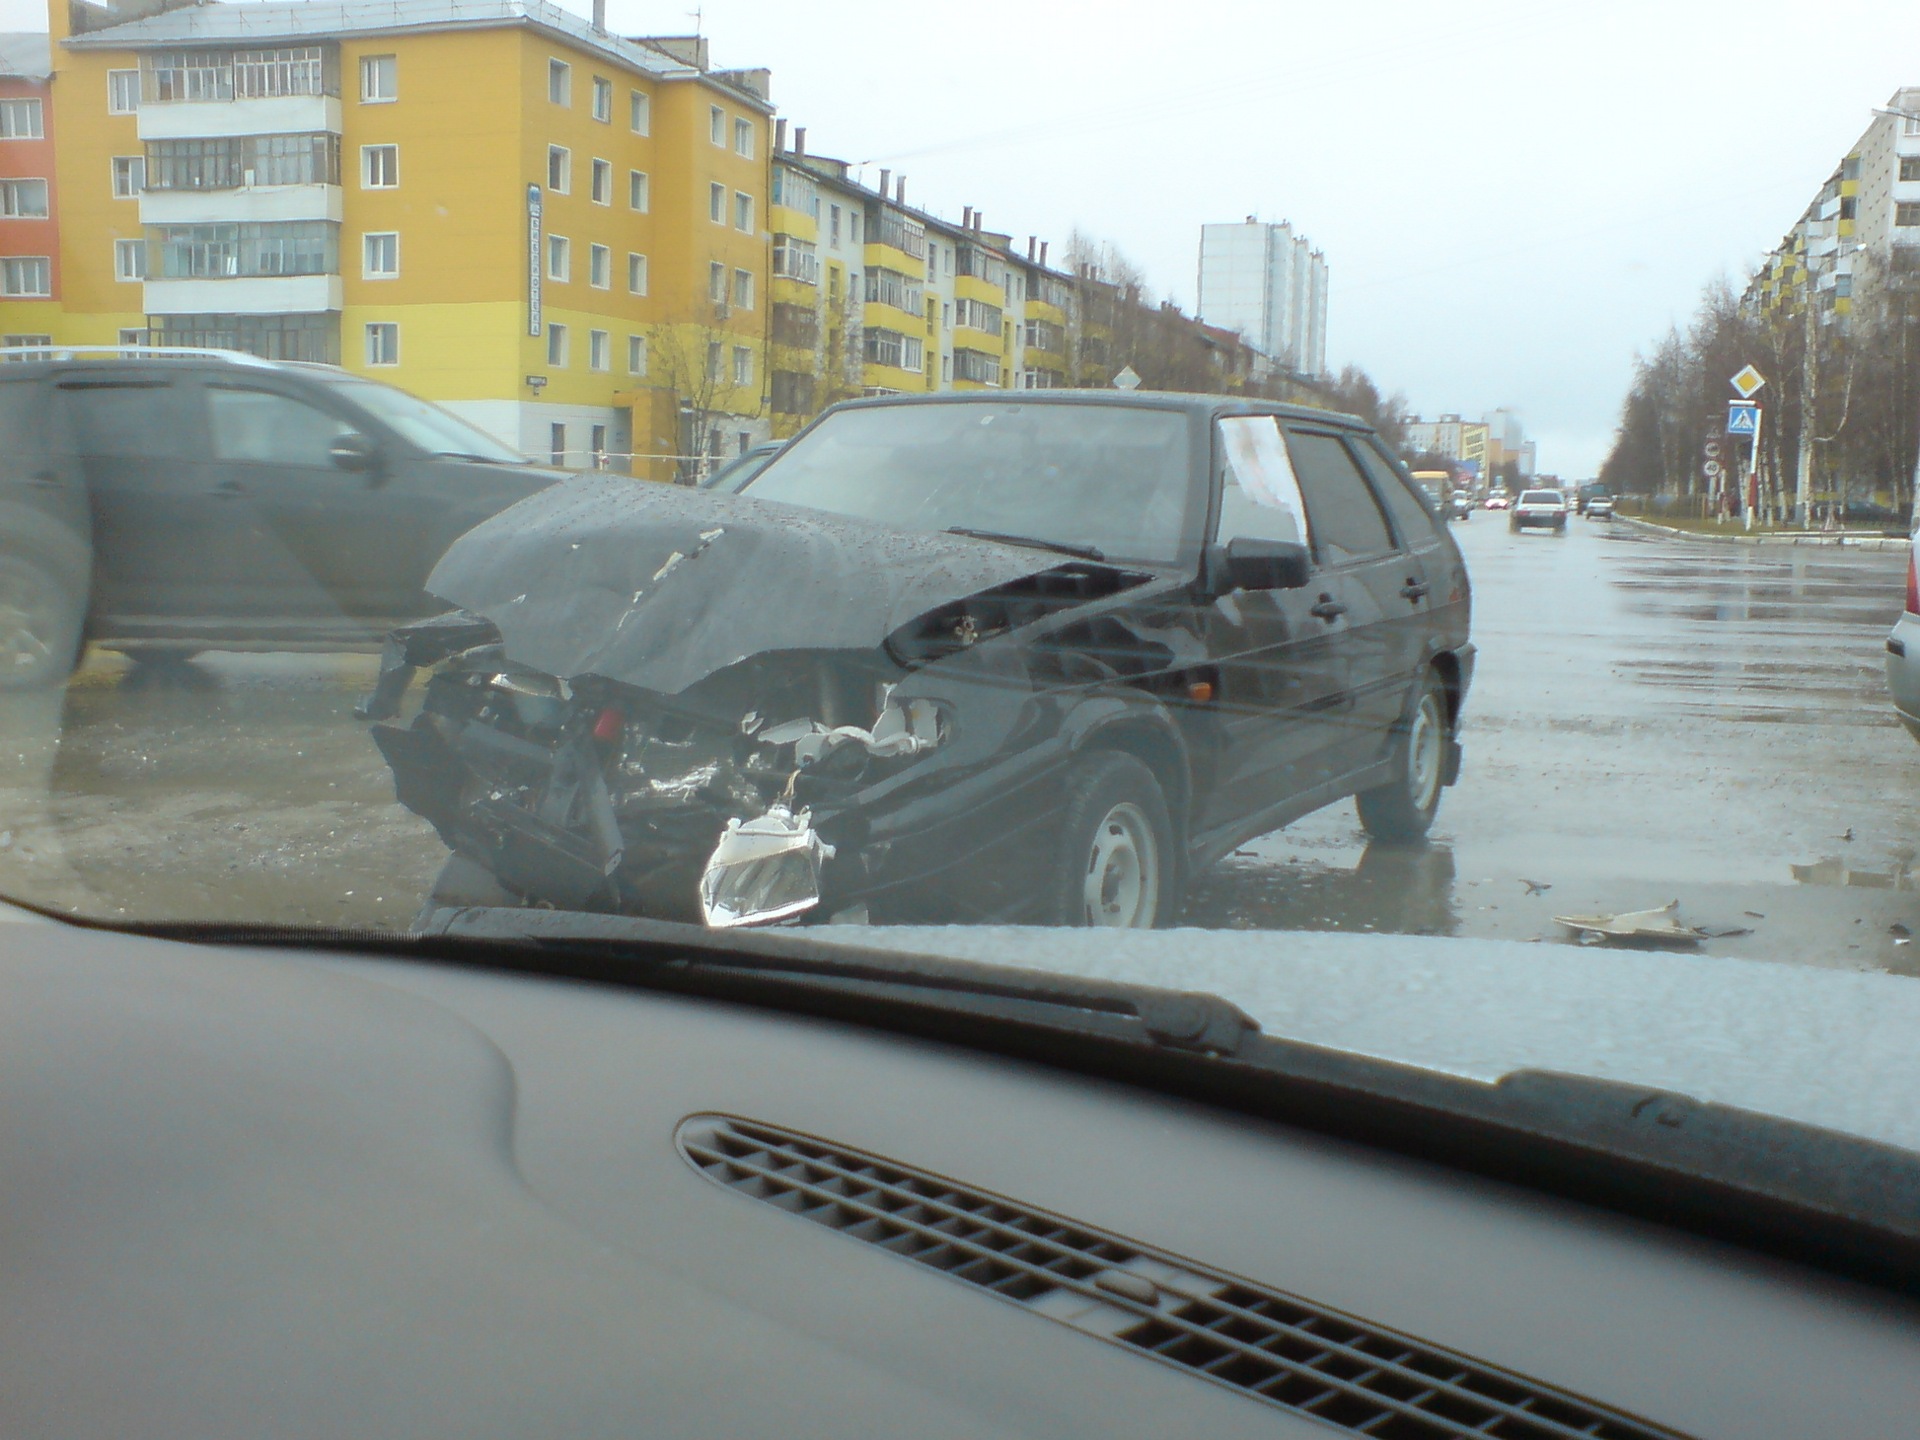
(1108, 476)
(1542, 497)
(436, 431)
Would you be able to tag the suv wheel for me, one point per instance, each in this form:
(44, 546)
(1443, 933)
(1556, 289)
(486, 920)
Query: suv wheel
(40, 623)
(1116, 864)
(1402, 810)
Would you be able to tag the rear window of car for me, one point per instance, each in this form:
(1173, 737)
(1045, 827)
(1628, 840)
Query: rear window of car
(1542, 497)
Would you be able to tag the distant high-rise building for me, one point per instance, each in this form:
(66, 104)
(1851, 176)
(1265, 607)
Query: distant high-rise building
(1269, 284)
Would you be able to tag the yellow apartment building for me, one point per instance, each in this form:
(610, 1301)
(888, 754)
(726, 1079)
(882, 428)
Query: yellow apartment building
(496, 204)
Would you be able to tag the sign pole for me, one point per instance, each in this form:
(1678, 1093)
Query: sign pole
(1753, 464)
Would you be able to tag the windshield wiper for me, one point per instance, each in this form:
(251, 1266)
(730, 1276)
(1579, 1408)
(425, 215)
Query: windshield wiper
(1032, 542)
(469, 455)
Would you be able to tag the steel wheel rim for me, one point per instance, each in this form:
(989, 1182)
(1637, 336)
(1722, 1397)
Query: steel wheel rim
(27, 628)
(1423, 754)
(1121, 889)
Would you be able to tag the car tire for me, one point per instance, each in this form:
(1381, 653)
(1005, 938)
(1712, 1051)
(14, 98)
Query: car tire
(1513, 527)
(1401, 811)
(40, 625)
(1116, 862)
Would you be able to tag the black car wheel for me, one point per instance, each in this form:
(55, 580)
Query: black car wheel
(1117, 864)
(1402, 810)
(40, 622)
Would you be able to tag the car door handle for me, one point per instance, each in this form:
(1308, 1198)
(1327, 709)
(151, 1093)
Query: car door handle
(1328, 609)
(1414, 589)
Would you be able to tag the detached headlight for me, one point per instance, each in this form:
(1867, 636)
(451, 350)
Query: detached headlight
(764, 869)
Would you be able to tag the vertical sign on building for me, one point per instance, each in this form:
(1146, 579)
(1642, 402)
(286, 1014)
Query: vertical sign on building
(533, 260)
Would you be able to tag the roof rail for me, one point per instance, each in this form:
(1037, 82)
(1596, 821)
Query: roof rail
(133, 352)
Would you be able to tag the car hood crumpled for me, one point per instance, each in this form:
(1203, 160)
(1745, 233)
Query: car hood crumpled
(659, 586)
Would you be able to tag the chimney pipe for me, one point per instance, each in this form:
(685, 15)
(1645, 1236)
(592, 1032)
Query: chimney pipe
(1031, 241)
(780, 135)
(886, 177)
(799, 139)
(1043, 252)
(966, 218)
(599, 17)
(979, 219)
(900, 191)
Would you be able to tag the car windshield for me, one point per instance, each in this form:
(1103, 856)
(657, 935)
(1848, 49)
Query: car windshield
(944, 484)
(418, 422)
(1108, 476)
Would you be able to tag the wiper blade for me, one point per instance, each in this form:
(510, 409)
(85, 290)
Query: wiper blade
(1031, 542)
(482, 459)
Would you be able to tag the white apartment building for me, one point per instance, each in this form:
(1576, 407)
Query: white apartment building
(1269, 284)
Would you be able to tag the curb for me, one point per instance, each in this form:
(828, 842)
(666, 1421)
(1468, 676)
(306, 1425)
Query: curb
(1831, 542)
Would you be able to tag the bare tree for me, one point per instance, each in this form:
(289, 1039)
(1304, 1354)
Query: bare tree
(692, 361)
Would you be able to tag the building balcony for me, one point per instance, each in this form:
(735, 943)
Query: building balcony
(265, 295)
(266, 115)
(255, 203)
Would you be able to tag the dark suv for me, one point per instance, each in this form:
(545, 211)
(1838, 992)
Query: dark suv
(959, 658)
(166, 502)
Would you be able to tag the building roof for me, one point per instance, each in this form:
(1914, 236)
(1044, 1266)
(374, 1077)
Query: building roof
(26, 54)
(341, 19)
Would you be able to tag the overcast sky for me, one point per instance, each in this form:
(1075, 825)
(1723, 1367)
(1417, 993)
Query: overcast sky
(1513, 197)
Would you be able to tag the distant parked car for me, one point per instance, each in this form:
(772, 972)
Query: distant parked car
(1499, 500)
(1544, 509)
(1598, 507)
(1460, 506)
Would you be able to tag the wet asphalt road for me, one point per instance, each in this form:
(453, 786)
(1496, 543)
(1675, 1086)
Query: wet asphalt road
(1651, 720)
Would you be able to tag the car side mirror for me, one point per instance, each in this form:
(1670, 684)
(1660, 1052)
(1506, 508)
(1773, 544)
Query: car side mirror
(1249, 564)
(353, 453)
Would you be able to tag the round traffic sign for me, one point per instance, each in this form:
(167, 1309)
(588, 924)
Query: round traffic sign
(1712, 448)
(1712, 468)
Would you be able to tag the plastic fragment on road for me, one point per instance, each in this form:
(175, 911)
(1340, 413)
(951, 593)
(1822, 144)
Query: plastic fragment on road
(1662, 925)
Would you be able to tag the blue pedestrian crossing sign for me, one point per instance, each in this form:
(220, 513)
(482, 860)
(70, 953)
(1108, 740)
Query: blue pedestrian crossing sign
(1742, 419)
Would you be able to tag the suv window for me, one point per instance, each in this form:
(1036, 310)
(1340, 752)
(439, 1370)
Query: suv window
(1265, 505)
(130, 418)
(270, 429)
(1342, 512)
(1412, 519)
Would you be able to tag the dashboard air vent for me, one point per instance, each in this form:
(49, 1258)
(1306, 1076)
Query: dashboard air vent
(1262, 1342)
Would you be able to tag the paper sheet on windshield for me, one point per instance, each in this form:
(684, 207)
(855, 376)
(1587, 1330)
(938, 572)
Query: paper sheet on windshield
(1259, 461)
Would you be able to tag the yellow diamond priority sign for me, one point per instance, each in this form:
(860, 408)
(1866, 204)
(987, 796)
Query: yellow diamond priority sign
(1748, 381)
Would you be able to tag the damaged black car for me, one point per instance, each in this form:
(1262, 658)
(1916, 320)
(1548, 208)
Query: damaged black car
(956, 659)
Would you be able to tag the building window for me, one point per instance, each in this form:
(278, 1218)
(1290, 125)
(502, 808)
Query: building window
(833, 284)
(742, 365)
(1906, 213)
(20, 119)
(717, 203)
(974, 365)
(795, 259)
(714, 352)
(379, 79)
(559, 169)
(559, 258)
(23, 200)
(743, 212)
(743, 289)
(129, 175)
(853, 226)
(600, 267)
(743, 139)
(640, 113)
(833, 224)
(639, 191)
(556, 345)
(597, 442)
(637, 274)
(602, 99)
(717, 282)
(211, 250)
(379, 167)
(383, 343)
(129, 259)
(559, 82)
(600, 184)
(1910, 167)
(123, 92)
(380, 255)
(636, 354)
(135, 337)
(890, 347)
(599, 350)
(557, 444)
(26, 275)
(716, 125)
(18, 342)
